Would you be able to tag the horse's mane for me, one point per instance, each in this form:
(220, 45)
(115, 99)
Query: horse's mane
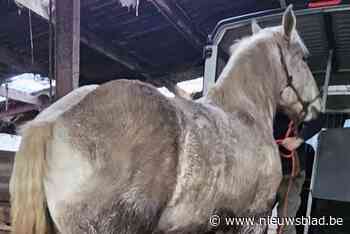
(264, 33)
(235, 45)
(240, 46)
(247, 41)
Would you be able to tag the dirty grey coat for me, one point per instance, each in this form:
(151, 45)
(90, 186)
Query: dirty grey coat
(155, 163)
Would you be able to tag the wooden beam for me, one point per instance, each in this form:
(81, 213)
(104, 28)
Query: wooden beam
(20, 64)
(181, 21)
(18, 110)
(67, 46)
(104, 47)
(188, 74)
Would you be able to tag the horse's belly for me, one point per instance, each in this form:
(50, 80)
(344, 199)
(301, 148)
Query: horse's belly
(192, 215)
(204, 190)
(270, 176)
(206, 194)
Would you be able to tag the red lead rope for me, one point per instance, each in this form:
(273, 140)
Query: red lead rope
(291, 155)
(290, 133)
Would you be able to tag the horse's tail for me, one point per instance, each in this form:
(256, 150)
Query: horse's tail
(29, 211)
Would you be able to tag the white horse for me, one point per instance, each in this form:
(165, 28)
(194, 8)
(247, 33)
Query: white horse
(122, 158)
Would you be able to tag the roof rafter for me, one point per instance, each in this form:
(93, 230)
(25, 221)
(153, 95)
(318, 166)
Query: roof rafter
(179, 19)
(328, 23)
(97, 43)
(116, 54)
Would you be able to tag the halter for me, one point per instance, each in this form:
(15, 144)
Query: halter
(305, 104)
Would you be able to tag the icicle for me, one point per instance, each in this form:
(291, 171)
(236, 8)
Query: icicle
(137, 7)
(131, 4)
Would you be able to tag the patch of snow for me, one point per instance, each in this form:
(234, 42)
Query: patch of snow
(192, 86)
(29, 83)
(166, 92)
(313, 141)
(9, 142)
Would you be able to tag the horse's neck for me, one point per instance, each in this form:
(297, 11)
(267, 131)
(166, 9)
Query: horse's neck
(247, 87)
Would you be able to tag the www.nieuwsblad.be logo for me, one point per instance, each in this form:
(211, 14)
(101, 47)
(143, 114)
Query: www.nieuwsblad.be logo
(216, 220)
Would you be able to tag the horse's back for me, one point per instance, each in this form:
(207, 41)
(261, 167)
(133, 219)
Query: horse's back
(65, 103)
(123, 139)
(121, 115)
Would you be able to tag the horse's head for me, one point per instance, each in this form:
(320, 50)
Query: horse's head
(299, 95)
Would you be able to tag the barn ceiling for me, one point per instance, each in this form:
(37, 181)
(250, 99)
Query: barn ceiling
(115, 43)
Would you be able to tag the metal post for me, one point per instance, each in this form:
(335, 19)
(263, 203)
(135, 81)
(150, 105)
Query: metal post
(312, 182)
(314, 168)
(327, 79)
(210, 68)
(67, 46)
(7, 96)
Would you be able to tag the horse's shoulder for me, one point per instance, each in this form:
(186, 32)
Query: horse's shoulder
(140, 98)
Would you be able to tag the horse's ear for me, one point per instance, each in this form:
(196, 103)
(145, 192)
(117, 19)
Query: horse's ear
(288, 22)
(255, 27)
